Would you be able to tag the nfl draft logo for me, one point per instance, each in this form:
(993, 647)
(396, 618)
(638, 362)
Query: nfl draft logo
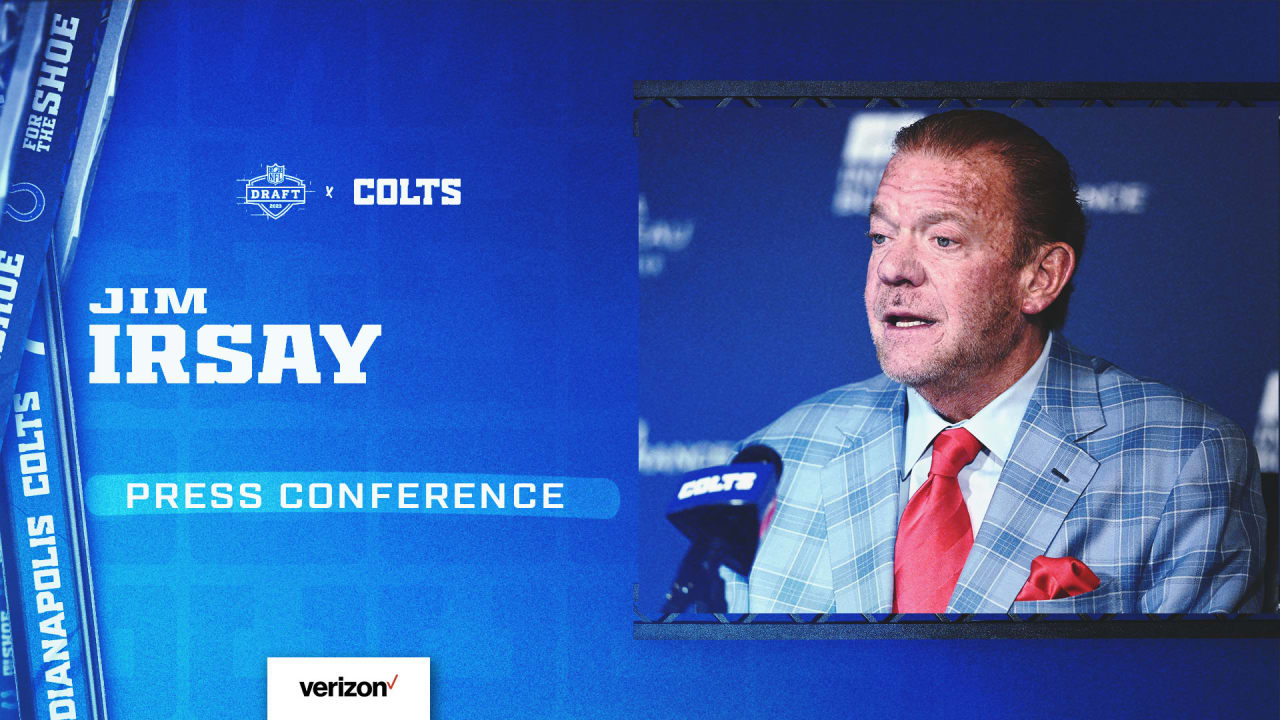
(274, 193)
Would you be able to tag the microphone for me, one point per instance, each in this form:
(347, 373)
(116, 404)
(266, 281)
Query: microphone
(723, 510)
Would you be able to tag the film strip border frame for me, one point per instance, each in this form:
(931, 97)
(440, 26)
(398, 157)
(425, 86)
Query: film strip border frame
(866, 95)
(952, 627)
(855, 94)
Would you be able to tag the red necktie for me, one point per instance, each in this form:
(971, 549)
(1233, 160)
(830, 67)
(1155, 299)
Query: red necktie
(934, 535)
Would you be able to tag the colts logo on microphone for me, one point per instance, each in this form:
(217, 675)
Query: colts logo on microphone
(717, 483)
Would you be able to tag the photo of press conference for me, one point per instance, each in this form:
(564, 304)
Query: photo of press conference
(960, 361)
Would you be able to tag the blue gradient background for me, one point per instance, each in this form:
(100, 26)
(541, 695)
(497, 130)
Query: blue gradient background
(509, 346)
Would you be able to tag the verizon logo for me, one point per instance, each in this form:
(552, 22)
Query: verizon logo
(347, 688)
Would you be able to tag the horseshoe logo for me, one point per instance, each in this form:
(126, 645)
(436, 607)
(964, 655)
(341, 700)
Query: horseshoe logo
(37, 204)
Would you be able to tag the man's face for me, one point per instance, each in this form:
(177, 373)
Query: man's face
(942, 295)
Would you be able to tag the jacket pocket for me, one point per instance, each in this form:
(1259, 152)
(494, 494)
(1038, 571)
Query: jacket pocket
(1098, 600)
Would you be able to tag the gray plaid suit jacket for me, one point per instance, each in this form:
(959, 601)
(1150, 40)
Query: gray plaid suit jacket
(1157, 493)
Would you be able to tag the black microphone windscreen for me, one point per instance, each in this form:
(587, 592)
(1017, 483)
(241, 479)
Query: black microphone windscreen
(760, 454)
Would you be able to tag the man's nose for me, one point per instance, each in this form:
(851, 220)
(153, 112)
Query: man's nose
(898, 264)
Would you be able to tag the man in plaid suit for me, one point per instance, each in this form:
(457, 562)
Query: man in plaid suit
(1077, 487)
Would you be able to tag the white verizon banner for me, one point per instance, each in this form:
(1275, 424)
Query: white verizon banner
(348, 688)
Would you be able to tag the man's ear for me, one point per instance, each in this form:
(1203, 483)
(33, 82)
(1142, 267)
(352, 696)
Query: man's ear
(1046, 275)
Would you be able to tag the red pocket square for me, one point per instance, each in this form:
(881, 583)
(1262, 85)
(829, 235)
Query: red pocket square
(1055, 578)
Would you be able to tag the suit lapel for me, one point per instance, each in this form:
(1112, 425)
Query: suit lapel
(860, 499)
(1040, 483)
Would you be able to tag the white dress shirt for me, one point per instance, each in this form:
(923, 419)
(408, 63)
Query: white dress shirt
(995, 426)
